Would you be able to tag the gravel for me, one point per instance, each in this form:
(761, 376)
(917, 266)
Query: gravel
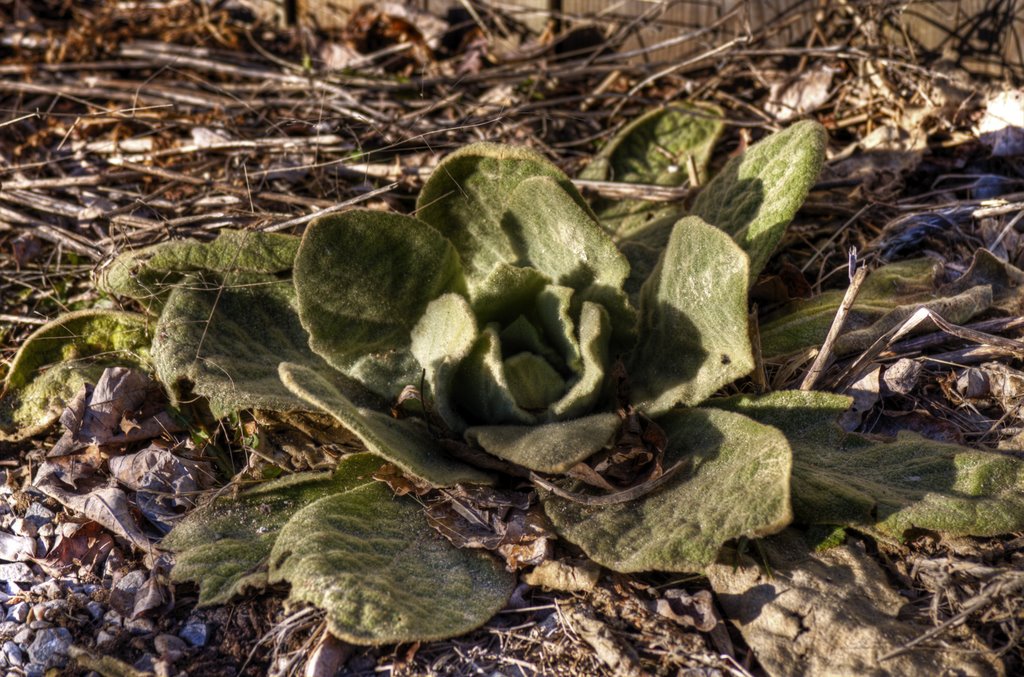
(195, 632)
(50, 647)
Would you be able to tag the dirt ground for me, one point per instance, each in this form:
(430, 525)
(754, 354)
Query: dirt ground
(126, 124)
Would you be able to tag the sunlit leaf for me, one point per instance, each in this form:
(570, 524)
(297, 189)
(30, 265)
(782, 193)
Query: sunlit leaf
(737, 485)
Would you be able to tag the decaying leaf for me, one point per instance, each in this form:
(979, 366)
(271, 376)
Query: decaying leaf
(889, 296)
(565, 575)
(827, 613)
(58, 358)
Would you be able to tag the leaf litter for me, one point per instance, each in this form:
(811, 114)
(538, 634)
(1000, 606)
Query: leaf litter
(992, 409)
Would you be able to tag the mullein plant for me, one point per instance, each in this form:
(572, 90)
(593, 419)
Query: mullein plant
(539, 332)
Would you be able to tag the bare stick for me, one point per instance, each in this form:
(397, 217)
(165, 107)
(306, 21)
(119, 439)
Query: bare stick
(824, 357)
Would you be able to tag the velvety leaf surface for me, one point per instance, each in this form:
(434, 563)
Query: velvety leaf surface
(148, 274)
(370, 560)
(228, 342)
(552, 233)
(364, 278)
(56, 359)
(889, 295)
(549, 448)
(738, 485)
(405, 442)
(653, 149)
(440, 340)
(586, 392)
(693, 320)
(224, 545)
(507, 292)
(847, 479)
(468, 196)
(756, 195)
(480, 387)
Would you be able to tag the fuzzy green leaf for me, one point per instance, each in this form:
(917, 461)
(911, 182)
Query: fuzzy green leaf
(846, 479)
(148, 274)
(656, 149)
(370, 560)
(738, 486)
(228, 341)
(440, 341)
(364, 278)
(889, 296)
(756, 195)
(405, 442)
(532, 380)
(589, 386)
(480, 387)
(693, 320)
(56, 359)
(224, 545)
(550, 448)
(552, 233)
(507, 292)
(467, 199)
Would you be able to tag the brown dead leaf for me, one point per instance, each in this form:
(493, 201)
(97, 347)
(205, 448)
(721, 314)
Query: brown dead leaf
(506, 522)
(87, 547)
(797, 95)
(696, 611)
(621, 658)
(166, 484)
(567, 575)
(827, 613)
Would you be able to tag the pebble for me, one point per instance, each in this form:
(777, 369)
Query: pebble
(16, 572)
(23, 527)
(195, 633)
(102, 637)
(13, 654)
(113, 617)
(38, 514)
(49, 589)
(35, 670)
(96, 610)
(8, 628)
(140, 626)
(50, 647)
(145, 664)
(17, 612)
(170, 647)
(40, 625)
(23, 636)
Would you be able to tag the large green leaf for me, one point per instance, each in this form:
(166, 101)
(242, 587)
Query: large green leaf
(738, 486)
(467, 199)
(480, 387)
(507, 292)
(590, 384)
(228, 340)
(56, 359)
(440, 341)
(224, 545)
(405, 442)
(148, 274)
(889, 296)
(382, 575)
(847, 479)
(551, 447)
(693, 320)
(757, 194)
(364, 278)
(551, 232)
(656, 148)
